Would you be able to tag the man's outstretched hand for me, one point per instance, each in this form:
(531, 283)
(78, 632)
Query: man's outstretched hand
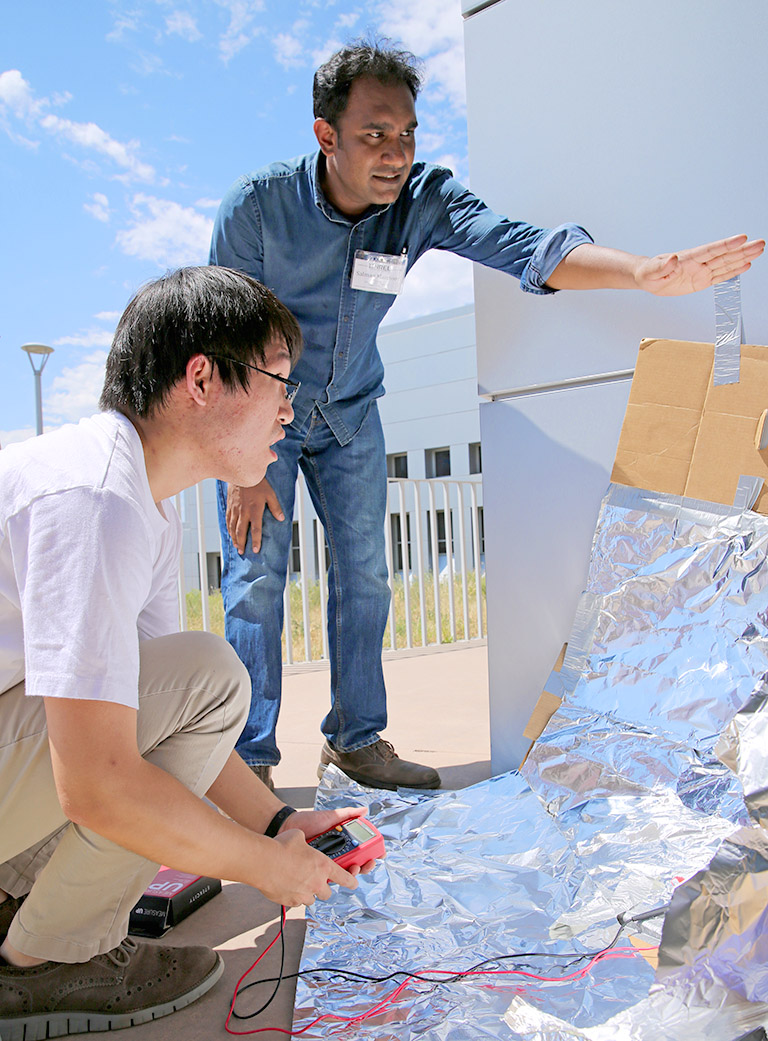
(673, 274)
(589, 266)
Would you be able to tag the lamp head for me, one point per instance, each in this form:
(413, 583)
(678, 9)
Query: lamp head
(36, 348)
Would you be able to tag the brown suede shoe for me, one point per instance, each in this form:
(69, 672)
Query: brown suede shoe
(379, 766)
(264, 773)
(134, 983)
(8, 910)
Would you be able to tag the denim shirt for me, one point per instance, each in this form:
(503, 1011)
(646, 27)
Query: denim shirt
(277, 226)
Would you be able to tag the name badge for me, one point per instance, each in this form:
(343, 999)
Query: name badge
(378, 272)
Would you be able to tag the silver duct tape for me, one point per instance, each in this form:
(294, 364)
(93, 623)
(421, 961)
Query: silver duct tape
(728, 331)
(747, 491)
(637, 785)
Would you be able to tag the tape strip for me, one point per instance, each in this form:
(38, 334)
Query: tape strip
(729, 331)
(747, 491)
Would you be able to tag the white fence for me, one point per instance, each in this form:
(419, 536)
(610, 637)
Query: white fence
(435, 557)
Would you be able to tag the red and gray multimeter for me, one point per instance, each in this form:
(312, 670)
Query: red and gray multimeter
(355, 841)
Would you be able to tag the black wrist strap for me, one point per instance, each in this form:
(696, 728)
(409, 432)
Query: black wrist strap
(278, 820)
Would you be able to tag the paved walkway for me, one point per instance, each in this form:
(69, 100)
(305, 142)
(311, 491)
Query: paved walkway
(438, 710)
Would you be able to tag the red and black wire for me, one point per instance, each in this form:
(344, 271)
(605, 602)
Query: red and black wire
(436, 977)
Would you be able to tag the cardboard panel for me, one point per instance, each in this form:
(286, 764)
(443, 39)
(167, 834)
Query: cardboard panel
(682, 435)
(658, 370)
(656, 446)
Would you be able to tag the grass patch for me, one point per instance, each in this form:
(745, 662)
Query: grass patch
(317, 619)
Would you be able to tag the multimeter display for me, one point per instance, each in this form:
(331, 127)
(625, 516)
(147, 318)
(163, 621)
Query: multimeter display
(355, 841)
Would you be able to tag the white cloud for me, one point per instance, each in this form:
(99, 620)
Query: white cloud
(240, 30)
(16, 95)
(207, 204)
(323, 53)
(107, 316)
(93, 138)
(166, 233)
(145, 63)
(75, 391)
(181, 23)
(432, 29)
(18, 99)
(99, 207)
(437, 282)
(445, 73)
(289, 51)
(87, 338)
(427, 141)
(123, 23)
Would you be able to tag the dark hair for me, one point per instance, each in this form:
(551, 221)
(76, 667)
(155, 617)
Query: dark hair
(195, 310)
(375, 58)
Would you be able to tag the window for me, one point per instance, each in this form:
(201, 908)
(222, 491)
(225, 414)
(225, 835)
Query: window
(481, 529)
(397, 541)
(213, 568)
(475, 458)
(442, 544)
(397, 465)
(438, 462)
(295, 558)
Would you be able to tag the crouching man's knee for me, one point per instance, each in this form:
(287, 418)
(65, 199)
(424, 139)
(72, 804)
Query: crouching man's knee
(212, 662)
(191, 684)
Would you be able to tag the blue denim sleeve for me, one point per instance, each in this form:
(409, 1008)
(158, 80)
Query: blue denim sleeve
(237, 240)
(555, 245)
(454, 219)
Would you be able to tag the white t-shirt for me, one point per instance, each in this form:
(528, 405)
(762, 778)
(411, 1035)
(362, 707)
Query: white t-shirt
(88, 563)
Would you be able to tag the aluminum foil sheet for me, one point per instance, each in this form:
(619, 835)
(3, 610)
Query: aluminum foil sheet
(648, 786)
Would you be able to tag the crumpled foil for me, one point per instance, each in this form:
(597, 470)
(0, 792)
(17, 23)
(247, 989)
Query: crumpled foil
(648, 786)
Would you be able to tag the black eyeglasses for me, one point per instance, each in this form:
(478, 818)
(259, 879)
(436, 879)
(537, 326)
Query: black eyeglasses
(291, 386)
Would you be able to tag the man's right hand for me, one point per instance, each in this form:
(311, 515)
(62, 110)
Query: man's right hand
(302, 873)
(245, 509)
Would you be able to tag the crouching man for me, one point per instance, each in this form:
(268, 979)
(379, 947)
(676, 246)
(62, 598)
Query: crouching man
(113, 725)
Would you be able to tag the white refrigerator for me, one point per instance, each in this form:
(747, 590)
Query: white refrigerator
(645, 123)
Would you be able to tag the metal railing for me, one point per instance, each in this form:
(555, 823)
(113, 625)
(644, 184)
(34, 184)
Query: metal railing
(434, 548)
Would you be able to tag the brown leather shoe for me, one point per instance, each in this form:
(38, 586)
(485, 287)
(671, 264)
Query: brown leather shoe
(8, 910)
(134, 983)
(379, 766)
(264, 773)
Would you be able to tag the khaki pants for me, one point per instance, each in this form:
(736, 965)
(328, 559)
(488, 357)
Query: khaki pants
(193, 702)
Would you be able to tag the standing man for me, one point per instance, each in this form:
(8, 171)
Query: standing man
(333, 234)
(113, 725)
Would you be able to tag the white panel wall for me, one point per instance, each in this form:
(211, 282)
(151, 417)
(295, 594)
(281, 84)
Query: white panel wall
(645, 123)
(541, 501)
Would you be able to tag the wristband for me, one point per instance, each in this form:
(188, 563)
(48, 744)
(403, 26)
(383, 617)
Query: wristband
(278, 820)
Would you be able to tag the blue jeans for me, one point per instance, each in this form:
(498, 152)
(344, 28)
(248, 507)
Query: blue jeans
(348, 487)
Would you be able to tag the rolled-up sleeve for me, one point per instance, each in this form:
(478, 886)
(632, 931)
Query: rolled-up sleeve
(454, 219)
(555, 245)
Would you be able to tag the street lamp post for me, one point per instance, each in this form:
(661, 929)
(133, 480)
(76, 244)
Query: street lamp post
(42, 351)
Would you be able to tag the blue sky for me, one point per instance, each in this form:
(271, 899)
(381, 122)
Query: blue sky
(122, 124)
